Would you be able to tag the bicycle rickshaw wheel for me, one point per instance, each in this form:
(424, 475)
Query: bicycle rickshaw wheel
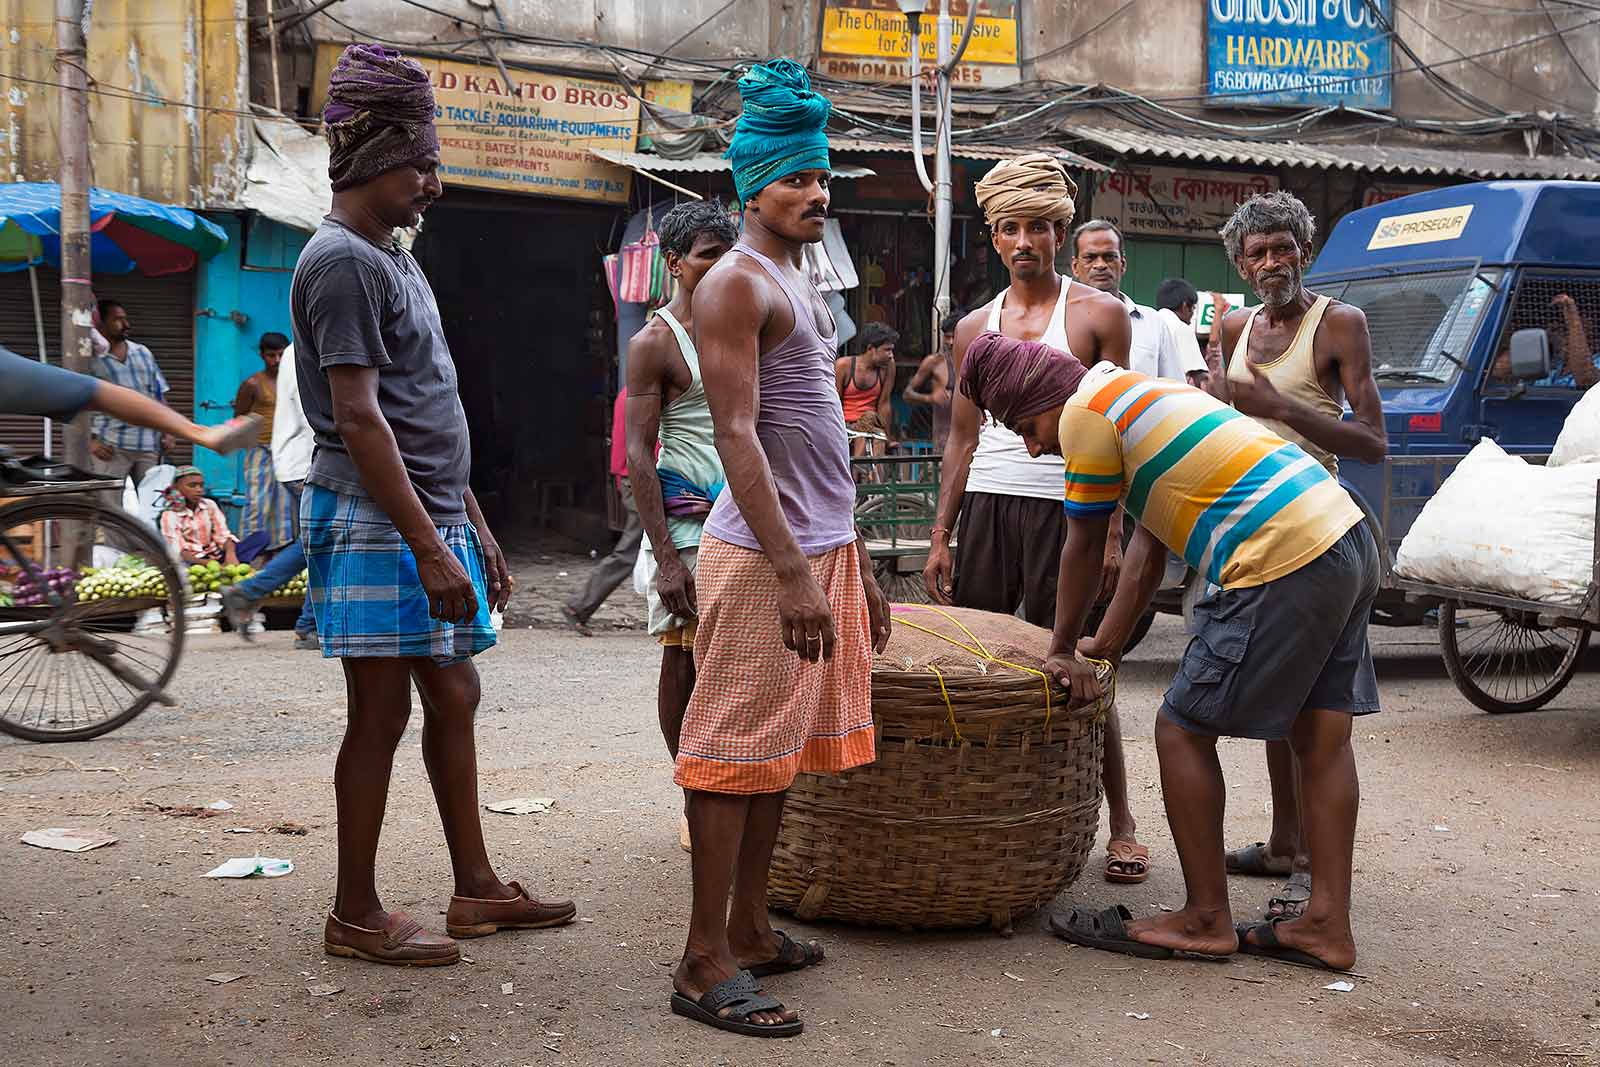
(1502, 664)
(90, 669)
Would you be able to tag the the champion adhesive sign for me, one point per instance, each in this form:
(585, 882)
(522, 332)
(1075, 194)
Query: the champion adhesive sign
(1298, 53)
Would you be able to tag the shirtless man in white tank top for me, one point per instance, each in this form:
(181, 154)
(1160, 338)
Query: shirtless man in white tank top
(1009, 503)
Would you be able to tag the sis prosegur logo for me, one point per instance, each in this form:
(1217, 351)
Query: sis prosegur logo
(1420, 227)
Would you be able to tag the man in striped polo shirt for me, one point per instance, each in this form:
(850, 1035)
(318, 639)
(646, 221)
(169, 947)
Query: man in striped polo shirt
(1280, 640)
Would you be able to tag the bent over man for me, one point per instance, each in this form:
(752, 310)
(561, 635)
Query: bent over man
(1280, 641)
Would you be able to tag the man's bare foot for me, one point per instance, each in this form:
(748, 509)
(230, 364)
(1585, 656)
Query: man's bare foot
(1333, 944)
(696, 975)
(1209, 933)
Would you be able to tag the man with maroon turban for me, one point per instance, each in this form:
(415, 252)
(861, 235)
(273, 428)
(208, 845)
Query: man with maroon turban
(403, 569)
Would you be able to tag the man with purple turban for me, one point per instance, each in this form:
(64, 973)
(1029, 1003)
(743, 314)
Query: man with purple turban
(1280, 638)
(403, 569)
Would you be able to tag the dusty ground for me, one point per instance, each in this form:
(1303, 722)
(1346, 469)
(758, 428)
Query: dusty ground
(1478, 878)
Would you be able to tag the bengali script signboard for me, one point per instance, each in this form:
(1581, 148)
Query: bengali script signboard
(1298, 53)
(869, 41)
(1169, 202)
(532, 136)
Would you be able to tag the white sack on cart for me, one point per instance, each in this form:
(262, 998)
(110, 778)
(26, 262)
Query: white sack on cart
(1579, 441)
(1502, 525)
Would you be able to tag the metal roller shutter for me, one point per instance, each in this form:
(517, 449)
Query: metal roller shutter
(160, 311)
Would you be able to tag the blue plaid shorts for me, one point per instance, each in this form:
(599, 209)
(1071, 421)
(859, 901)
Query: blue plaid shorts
(364, 587)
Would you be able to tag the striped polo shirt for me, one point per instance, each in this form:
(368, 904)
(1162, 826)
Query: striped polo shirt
(1240, 504)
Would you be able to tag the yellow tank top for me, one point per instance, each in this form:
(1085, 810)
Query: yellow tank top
(1294, 374)
(266, 405)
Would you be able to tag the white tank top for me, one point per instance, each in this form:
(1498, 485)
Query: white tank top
(1001, 463)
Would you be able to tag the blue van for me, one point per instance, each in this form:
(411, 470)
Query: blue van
(1445, 278)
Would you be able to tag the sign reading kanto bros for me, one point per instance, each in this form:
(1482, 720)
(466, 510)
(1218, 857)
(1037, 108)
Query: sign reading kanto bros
(1172, 202)
(1298, 53)
(530, 137)
(869, 41)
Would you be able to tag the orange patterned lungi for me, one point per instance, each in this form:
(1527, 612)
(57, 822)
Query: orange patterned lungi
(760, 714)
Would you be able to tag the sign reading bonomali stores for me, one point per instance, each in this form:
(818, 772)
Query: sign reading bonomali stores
(1168, 202)
(530, 137)
(869, 41)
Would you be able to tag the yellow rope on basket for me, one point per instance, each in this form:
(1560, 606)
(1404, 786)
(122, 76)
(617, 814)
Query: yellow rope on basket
(948, 706)
(978, 649)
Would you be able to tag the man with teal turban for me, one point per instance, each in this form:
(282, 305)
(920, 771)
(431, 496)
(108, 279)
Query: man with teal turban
(788, 610)
(780, 130)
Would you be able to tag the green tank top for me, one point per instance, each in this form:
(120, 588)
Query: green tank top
(688, 441)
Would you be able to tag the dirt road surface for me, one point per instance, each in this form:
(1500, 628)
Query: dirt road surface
(1478, 877)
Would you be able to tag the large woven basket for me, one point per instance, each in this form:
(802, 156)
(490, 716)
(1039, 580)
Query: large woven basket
(983, 801)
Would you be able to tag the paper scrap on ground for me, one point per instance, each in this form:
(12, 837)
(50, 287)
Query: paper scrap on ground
(223, 977)
(505, 987)
(1341, 986)
(522, 805)
(324, 990)
(220, 805)
(239, 830)
(65, 839)
(249, 866)
(1140, 1015)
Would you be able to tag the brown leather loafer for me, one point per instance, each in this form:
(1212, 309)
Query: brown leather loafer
(402, 941)
(471, 917)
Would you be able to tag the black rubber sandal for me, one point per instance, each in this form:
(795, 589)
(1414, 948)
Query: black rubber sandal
(1270, 948)
(1291, 900)
(1255, 861)
(1108, 931)
(743, 995)
(792, 956)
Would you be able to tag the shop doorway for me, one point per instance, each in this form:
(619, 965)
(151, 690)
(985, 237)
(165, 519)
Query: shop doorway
(525, 309)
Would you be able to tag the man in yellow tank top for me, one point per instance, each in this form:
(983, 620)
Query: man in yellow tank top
(267, 505)
(1291, 363)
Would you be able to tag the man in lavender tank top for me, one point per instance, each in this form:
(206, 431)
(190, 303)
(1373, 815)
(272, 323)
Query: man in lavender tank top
(789, 612)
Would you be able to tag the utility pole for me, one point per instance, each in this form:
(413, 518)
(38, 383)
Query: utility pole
(946, 61)
(72, 131)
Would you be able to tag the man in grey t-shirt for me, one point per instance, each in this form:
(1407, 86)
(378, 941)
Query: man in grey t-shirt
(403, 569)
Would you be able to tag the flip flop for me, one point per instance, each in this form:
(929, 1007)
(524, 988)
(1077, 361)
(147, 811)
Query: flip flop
(1290, 901)
(1255, 861)
(1108, 931)
(1127, 862)
(810, 954)
(742, 994)
(1271, 948)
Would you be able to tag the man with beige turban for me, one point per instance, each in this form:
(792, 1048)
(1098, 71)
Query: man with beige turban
(1009, 502)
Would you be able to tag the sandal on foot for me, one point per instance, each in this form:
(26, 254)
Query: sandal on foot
(1127, 862)
(741, 997)
(401, 941)
(792, 956)
(1108, 931)
(1269, 947)
(1290, 901)
(684, 841)
(1255, 861)
(473, 917)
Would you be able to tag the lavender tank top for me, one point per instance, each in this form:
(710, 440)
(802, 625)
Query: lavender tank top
(800, 425)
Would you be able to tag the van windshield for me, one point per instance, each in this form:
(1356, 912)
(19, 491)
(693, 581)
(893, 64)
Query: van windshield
(1421, 324)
